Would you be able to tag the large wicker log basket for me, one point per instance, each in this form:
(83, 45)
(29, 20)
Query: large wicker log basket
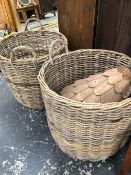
(86, 131)
(21, 57)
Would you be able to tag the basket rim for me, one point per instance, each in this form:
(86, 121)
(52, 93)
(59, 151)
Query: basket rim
(85, 105)
(14, 34)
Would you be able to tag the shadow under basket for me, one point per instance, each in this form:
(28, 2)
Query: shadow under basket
(86, 131)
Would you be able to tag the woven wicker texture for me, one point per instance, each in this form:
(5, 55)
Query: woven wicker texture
(21, 57)
(112, 85)
(87, 131)
(28, 95)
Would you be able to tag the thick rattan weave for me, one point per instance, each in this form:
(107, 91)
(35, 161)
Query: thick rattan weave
(22, 55)
(27, 95)
(87, 131)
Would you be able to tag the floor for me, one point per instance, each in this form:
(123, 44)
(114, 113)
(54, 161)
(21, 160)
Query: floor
(50, 22)
(27, 148)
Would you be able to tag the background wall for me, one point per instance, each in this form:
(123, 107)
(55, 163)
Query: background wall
(76, 22)
(114, 25)
(103, 24)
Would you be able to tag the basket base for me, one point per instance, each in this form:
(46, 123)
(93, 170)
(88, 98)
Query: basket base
(91, 153)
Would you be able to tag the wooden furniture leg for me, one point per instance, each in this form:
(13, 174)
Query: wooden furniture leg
(54, 13)
(126, 165)
(24, 15)
(36, 13)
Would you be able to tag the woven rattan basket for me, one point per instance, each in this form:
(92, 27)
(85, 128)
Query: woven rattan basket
(21, 56)
(85, 131)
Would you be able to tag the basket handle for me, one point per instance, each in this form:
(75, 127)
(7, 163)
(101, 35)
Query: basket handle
(30, 20)
(52, 47)
(23, 49)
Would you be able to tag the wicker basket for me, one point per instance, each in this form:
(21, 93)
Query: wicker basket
(22, 55)
(87, 131)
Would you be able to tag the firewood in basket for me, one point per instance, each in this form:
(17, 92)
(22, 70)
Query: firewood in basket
(113, 85)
